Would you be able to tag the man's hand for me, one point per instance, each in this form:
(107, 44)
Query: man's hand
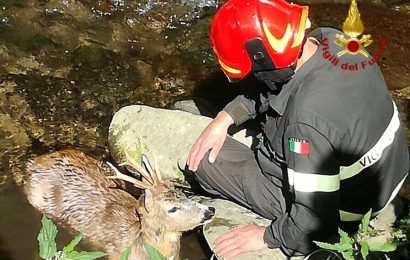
(241, 240)
(212, 138)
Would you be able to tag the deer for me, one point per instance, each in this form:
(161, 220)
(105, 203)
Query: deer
(82, 193)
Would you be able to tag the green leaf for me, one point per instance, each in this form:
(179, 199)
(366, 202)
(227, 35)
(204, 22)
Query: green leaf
(348, 255)
(83, 255)
(153, 253)
(325, 245)
(382, 247)
(364, 249)
(342, 247)
(344, 237)
(336, 247)
(46, 239)
(365, 222)
(126, 253)
(70, 247)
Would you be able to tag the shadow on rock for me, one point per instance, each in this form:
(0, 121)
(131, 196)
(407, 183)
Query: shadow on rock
(213, 93)
(3, 253)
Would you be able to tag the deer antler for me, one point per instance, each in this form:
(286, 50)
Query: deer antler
(155, 176)
(121, 176)
(145, 174)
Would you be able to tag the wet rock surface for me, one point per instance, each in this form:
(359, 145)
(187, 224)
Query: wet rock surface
(67, 66)
(163, 135)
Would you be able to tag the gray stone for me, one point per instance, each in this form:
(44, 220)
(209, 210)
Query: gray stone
(161, 134)
(228, 216)
(188, 106)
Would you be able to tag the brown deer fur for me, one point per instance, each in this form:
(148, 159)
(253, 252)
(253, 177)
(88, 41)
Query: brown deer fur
(72, 188)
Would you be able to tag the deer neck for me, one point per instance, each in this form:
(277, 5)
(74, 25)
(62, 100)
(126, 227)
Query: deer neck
(167, 243)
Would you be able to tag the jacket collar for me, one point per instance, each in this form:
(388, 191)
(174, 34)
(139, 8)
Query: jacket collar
(279, 102)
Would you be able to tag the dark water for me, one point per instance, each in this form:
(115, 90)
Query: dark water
(67, 66)
(20, 224)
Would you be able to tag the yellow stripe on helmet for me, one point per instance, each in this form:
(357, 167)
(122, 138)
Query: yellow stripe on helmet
(229, 69)
(304, 24)
(278, 45)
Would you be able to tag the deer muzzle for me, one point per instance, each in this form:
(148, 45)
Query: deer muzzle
(208, 215)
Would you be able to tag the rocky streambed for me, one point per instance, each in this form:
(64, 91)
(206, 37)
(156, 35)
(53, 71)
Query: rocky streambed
(67, 66)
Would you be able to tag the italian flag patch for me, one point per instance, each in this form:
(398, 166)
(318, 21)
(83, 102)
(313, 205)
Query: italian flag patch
(299, 146)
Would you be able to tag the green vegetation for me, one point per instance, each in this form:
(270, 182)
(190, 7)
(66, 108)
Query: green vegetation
(153, 252)
(368, 239)
(48, 247)
(126, 254)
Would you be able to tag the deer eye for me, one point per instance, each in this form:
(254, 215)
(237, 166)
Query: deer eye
(174, 209)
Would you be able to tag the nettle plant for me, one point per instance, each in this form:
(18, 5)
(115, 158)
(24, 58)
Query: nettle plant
(368, 239)
(48, 247)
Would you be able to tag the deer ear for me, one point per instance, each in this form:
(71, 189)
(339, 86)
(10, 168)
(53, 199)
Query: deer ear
(148, 199)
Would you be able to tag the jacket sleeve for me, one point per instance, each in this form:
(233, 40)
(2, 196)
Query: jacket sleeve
(313, 182)
(241, 109)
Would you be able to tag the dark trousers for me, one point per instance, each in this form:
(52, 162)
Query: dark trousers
(236, 175)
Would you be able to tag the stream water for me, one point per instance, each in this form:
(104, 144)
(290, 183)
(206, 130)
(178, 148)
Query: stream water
(67, 66)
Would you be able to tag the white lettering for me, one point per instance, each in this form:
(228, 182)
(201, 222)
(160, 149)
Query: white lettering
(375, 153)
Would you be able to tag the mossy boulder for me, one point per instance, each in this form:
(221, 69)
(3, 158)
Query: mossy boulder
(164, 134)
(161, 134)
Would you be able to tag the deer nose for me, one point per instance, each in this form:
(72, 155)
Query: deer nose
(209, 213)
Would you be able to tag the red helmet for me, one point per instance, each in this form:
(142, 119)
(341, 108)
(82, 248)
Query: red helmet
(243, 32)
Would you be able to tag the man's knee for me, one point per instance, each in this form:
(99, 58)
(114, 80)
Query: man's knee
(204, 175)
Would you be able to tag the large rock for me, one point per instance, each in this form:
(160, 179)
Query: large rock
(228, 216)
(166, 135)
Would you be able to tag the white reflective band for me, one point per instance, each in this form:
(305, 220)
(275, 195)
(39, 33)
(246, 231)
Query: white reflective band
(348, 216)
(308, 182)
(374, 154)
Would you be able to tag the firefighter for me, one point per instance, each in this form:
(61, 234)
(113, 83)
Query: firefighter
(332, 146)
